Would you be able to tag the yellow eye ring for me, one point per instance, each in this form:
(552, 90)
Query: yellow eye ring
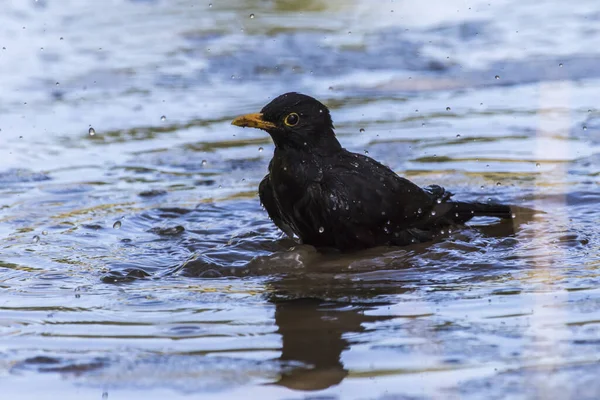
(292, 119)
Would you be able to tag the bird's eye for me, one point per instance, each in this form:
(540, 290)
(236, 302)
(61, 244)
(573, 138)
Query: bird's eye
(292, 119)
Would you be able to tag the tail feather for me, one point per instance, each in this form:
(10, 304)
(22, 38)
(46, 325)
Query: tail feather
(464, 211)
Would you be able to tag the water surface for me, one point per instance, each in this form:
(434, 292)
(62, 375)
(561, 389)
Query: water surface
(137, 261)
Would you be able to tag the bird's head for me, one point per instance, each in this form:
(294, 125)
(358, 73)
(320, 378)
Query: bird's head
(294, 120)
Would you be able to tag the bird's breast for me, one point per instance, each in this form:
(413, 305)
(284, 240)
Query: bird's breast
(291, 176)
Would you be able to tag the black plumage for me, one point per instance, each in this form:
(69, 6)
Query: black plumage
(330, 197)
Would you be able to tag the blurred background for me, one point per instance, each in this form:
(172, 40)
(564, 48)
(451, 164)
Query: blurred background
(136, 261)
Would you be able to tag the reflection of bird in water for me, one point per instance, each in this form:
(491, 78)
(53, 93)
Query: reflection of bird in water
(316, 332)
(330, 197)
(313, 334)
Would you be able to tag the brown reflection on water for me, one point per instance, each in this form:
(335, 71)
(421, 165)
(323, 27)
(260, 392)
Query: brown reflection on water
(312, 334)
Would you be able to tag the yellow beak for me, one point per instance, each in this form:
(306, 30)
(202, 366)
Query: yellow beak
(253, 121)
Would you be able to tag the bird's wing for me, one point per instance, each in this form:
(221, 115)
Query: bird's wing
(360, 199)
(377, 193)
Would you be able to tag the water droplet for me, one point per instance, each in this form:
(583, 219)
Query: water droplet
(513, 216)
(57, 83)
(163, 118)
(590, 111)
(585, 128)
(321, 230)
(251, 16)
(560, 65)
(366, 151)
(36, 239)
(448, 109)
(209, 5)
(386, 230)
(361, 130)
(419, 211)
(497, 77)
(439, 201)
(105, 395)
(203, 163)
(458, 135)
(537, 165)
(433, 212)
(383, 213)
(92, 131)
(260, 149)
(456, 215)
(44, 233)
(117, 225)
(498, 184)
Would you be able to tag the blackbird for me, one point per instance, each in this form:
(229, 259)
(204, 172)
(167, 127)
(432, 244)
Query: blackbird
(330, 197)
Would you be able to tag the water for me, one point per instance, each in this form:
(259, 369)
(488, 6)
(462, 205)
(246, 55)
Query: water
(194, 293)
